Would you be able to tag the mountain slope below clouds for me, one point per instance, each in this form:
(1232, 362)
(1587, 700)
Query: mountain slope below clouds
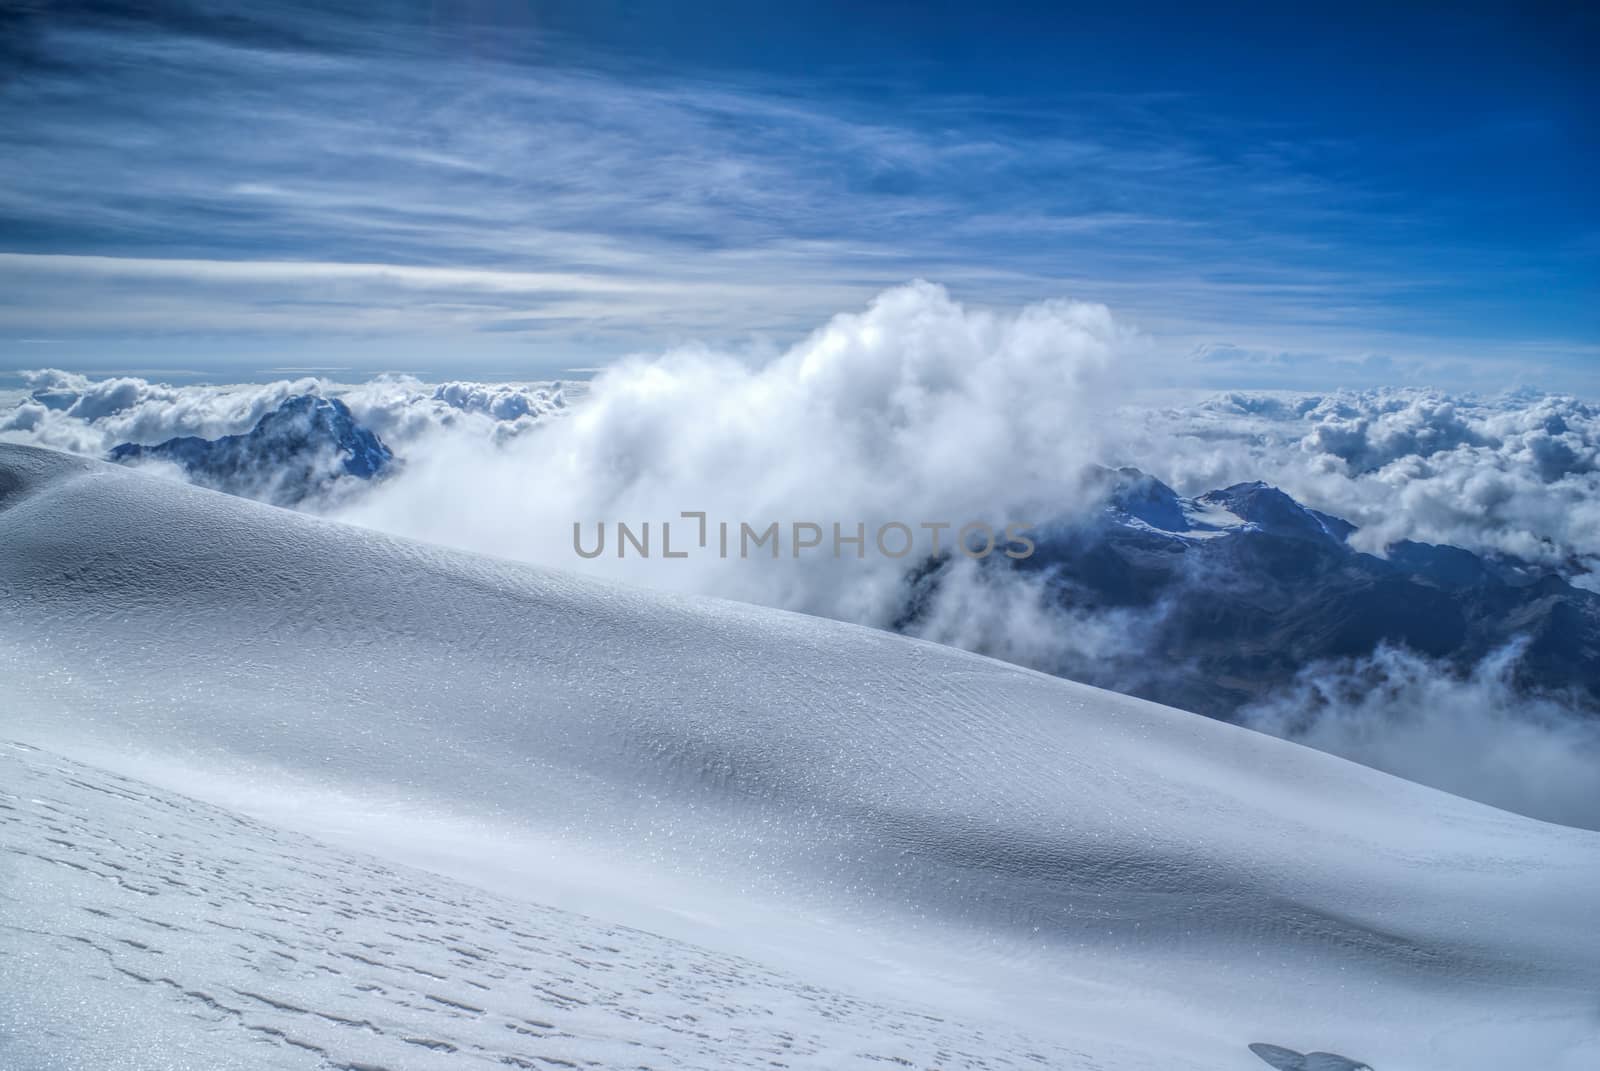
(876, 815)
(1230, 594)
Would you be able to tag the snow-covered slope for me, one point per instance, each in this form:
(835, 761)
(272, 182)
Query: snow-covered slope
(162, 932)
(908, 824)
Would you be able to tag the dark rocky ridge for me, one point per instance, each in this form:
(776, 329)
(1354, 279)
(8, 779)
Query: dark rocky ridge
(293, 452)
(1228, 595)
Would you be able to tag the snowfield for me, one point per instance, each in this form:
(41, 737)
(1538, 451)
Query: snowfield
(309, 796)
(181, 935)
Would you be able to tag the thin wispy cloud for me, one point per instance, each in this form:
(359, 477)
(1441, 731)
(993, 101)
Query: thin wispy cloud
(327, 174)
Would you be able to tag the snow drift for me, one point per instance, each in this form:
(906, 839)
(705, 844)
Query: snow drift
(882, 816)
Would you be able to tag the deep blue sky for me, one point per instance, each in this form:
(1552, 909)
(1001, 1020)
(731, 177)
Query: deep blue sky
(1272, 197)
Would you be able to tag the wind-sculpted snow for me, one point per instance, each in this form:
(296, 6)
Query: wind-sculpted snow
(876, 815)
(174, 931)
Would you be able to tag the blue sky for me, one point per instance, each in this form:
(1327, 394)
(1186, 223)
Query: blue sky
(1350, 197)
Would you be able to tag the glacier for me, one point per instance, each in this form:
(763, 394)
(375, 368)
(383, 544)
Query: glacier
(281, 792)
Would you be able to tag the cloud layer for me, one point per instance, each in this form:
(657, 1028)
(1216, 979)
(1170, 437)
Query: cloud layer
(71, 412)
(1473, 734)
(1517, 474)
(916, 410)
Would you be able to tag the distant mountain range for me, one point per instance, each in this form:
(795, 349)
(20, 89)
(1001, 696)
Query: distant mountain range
(1232, 592)
(292, 453)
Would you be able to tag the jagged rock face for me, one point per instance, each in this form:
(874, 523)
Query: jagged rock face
(1238, 589)
(293, 452)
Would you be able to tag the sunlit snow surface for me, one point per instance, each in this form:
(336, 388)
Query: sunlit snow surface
(929, 853)
(170, 933)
